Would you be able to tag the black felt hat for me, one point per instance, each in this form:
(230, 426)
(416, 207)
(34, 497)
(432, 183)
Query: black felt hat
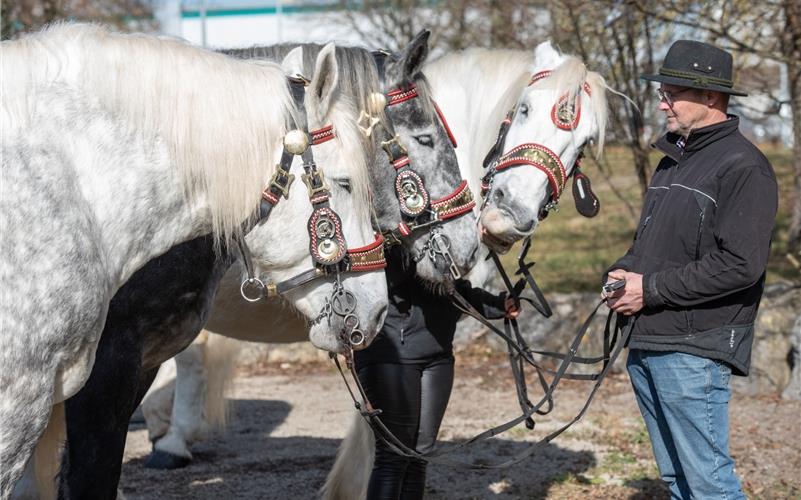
(697, 65)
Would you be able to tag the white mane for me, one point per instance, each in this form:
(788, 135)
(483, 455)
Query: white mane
(343, 117)
(489, 81)
(221, 118)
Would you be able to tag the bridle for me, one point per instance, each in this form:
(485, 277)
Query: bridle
(520, 354)
(564, 116)
(327, 244)
(417, 208)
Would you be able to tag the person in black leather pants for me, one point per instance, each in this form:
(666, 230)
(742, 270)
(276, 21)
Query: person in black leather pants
(407, 372)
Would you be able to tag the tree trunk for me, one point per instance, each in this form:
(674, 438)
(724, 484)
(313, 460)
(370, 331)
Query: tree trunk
(792, 49)
(794, 234)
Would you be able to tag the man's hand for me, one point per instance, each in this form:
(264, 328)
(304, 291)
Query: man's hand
(628, 300)
(512, 308)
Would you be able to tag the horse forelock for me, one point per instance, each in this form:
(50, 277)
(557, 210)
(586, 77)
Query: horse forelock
(205, 106)
(490, 81)
(568, 79)
(354, 159)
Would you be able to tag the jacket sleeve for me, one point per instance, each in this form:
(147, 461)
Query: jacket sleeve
(745, 218)
(489, 304)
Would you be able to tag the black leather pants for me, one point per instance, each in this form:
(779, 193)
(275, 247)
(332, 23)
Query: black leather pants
(412, 399)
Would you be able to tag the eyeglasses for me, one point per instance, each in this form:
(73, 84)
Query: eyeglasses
(669, 97)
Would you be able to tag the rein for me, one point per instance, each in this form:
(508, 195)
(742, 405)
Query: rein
(614, 341)
(327, 244)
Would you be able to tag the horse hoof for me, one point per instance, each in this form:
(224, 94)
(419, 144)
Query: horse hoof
(166, 461)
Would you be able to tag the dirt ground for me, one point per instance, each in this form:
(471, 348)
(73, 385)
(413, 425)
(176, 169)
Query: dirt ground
(287, 421)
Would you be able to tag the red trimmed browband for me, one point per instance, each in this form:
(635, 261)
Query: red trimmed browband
(544, 74)
(398, 96)
(322, 135)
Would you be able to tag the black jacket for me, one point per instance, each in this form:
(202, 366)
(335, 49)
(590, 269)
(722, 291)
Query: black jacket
(420, 323)
(702, 245)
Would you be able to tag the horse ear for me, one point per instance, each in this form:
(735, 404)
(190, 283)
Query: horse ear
(413, 56)
(325, 83)
(293, 62)
(545, 55)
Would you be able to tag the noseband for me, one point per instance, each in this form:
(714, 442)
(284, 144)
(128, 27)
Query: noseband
(327, 244)
(418, 210)
(564, 116)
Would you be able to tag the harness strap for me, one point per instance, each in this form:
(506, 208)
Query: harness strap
(371, 414)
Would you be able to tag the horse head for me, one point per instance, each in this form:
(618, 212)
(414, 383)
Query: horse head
(291, 249)
(439, 228)
(561, 110)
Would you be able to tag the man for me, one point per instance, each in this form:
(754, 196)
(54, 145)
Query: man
(695, 272)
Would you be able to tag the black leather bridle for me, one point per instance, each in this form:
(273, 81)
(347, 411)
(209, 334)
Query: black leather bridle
(327, 244)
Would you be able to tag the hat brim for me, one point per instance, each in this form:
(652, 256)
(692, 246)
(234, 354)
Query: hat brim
(681, 82)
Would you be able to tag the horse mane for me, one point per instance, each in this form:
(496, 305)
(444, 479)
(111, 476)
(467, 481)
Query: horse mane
(487, 99)
(357, 79)
(220, 118)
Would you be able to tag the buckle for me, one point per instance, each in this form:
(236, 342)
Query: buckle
(276, 183)
(316, 177)
(394, 148)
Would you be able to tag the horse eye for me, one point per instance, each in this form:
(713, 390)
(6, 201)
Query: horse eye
(524, 109)
(344, 184)
(424, 140)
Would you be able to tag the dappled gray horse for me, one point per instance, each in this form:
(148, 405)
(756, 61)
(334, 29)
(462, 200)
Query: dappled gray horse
(176, 422)
(115, 149)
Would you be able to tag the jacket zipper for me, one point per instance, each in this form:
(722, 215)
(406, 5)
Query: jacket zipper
(698, 237)
(402, 329)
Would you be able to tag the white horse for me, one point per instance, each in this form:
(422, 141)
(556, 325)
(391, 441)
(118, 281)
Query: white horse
(114, 149)
(474, 88)
(182, 413)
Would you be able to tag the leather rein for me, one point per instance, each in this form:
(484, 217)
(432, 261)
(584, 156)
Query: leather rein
(520, 354)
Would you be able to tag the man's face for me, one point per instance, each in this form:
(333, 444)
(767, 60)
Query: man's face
(684, 108)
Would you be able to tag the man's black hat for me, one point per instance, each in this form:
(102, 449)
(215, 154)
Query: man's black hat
(697, 65)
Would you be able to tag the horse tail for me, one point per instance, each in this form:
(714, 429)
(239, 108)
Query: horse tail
(220, 358)
(351, 471)
(47, 455)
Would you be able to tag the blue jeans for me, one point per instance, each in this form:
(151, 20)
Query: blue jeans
(684, 400)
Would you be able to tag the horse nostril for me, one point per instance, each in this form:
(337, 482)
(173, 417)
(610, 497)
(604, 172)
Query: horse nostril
(528, 227)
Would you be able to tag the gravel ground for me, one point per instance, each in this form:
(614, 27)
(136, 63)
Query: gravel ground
(287, 422)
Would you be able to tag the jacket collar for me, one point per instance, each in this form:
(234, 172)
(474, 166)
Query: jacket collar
(673, 144)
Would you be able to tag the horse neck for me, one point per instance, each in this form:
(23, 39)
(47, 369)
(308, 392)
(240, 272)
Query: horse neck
(147, 210)
(475, 88)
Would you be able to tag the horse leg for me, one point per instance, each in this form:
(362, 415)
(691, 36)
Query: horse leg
(171, 451)
(350, 474)
(203, 373)
(97, 417)
(157, 404)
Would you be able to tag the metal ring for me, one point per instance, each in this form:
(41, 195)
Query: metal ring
(252, 282)
(356, 337)
(343, 307)
(351, 321)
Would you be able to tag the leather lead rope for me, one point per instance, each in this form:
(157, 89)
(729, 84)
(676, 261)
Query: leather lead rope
(614, 347)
